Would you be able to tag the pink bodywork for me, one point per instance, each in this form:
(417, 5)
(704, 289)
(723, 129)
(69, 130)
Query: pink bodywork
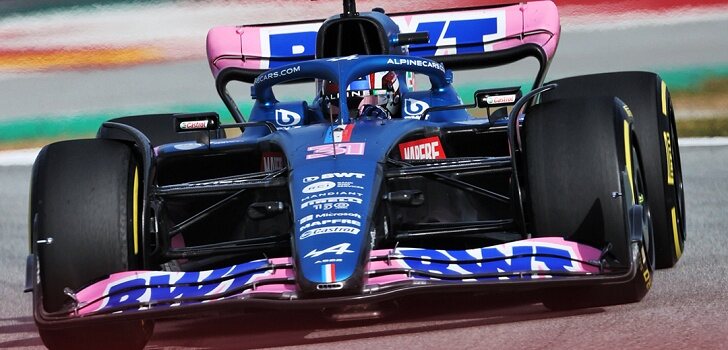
(529, 22)
(94, 298)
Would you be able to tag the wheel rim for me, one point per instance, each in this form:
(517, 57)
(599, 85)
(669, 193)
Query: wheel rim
(641, 199)
(677, 168)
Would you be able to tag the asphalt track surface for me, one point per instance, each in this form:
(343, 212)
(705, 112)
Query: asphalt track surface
(686, 308)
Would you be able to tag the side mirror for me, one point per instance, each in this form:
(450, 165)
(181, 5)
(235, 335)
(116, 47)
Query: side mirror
(196, 122)
(497, 97)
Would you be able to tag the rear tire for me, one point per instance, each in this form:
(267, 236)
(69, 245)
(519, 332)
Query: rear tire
(654, 123)
(82, 206)
(576, 160)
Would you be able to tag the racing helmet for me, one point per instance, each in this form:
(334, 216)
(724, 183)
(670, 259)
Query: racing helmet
(379, 89)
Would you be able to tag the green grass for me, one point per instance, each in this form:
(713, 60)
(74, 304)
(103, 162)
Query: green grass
(703, 127)
(710, 93)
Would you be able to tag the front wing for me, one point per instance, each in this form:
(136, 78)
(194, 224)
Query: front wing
(270, 283)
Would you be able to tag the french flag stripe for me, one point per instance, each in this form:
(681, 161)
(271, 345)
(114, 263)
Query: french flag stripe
(328, 273)
(346, 135)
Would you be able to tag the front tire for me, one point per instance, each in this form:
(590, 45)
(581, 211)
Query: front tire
(580, 185)
(654, 122)
(84, 212)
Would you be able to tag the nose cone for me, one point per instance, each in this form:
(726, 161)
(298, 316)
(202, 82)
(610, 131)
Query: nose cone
(331, 220)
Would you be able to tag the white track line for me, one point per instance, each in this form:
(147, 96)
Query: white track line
(703, 141)
(26, 157)
(20, 157)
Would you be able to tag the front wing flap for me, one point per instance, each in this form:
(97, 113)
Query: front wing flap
(270, 283)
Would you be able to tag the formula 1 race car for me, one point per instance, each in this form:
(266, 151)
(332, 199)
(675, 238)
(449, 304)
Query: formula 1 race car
(381, 184)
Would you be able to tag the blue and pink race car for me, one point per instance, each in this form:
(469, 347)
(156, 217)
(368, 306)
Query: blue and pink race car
(381, 182)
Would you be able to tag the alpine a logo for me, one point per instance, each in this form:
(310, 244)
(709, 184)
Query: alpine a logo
(339, 249)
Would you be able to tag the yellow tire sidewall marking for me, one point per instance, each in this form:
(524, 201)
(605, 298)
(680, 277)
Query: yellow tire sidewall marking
(628, 160)
(664, 99)
(678, 251)
(135, 211)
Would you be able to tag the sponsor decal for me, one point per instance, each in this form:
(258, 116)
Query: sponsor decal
(329, 206)
(333, 176)
(455, 32)
(305, 219)
(179, 285)
(194, 124)
(668, 154)
(339, 249)
(317, 203)
(271, 161)
(413, 108)
(416, 62)
(328, 273)
(532, 257)
(428, 148)
(308, 218)
(628, 111)
(331, 215)
(339, 133)
(322, 151)
(287, 41)
(348, 184)
(500, 99)
(287, 118)
(329, 261)
(347, 58)
(319, 186)
(278, 73)
(187, 146)
(469, 29)
(331, 222)
(330, 194)
(330, 229)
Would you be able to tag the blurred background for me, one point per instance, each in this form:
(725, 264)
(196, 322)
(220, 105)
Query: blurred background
(67, 66)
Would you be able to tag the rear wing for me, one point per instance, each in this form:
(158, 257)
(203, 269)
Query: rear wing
(464, 38)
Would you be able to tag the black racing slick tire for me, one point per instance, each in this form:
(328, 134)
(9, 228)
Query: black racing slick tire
(84, 226)
(654, 122)
(580, 185)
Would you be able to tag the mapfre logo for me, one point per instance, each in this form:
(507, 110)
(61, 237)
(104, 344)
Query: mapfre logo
(271, 161)
(429, 148)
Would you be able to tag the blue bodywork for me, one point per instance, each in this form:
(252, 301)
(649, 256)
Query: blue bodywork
(333, 185)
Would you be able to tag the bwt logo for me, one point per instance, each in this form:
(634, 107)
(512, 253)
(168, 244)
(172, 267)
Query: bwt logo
(463, 32)
(520, 259)
(168, 287)
(285, 117)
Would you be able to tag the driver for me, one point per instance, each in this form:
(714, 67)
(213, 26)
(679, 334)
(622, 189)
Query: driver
(373, 95)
